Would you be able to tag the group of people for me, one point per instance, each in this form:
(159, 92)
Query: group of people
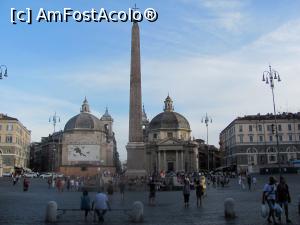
(250, 180)
(70, 183)
(26, 182)
(276, 195)
(99, 205)
(219, 180)
(199, 185)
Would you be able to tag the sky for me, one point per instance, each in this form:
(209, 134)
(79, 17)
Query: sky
(209, 55)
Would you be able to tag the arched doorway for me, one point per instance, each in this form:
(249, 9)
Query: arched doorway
(291, 153)
(272, 155)
(252, 154)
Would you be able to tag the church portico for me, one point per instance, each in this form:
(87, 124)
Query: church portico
(170, 157)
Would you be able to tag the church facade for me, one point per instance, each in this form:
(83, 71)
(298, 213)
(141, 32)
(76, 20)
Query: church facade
(168, 144)
(88, 144)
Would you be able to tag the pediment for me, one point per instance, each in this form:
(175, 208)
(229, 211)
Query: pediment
(169, 141)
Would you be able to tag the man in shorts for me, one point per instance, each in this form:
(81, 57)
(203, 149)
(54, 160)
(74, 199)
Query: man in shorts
(100, 205)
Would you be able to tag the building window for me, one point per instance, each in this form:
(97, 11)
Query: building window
(272, 158)
(259, 127)
(9, 127)
(271, 138)
(279, 127)
(241, 139)
(289, 126)
(280, 137)
(252, 159)
(241, 128)
(1, 126)
(269, 128)
(9, 139)
(261, 138)
(251, 138)
(170, 134)
(290, 137)
(154, 136)
(298, 127)
(250, 128)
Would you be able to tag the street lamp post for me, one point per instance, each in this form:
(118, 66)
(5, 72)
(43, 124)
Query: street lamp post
(54, 120)
(269, 77)
(206, 119)
(3, 71)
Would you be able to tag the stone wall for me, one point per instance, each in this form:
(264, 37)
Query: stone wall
(84, 171)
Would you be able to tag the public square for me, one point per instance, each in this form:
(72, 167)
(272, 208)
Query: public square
(28, 208)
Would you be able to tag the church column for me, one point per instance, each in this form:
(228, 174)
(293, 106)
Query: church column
(165, 161)
(182, 160)
(158, 164)
(176, 163)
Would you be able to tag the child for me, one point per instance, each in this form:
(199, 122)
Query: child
(85, 204)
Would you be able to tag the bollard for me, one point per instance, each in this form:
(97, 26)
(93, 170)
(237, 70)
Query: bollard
(51, 212)
(136, 215)
(229, 208)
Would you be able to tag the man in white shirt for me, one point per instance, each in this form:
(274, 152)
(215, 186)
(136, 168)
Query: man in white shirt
(100, 205)
(269, 195)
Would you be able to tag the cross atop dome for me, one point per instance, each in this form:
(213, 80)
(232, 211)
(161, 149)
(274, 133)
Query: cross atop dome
(85, 108)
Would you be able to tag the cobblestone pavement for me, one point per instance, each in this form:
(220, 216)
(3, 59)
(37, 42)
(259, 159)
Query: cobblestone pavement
(18, 208)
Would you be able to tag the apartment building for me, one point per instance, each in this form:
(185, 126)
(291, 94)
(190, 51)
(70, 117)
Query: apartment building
(14, 144)
(250, 142)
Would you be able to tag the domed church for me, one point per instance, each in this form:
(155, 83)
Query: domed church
(88, 144)
(168, 144)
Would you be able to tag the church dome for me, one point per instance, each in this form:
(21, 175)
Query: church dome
(84, 120)
(169, 119)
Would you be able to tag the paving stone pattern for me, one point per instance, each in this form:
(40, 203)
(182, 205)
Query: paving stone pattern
(28, 208)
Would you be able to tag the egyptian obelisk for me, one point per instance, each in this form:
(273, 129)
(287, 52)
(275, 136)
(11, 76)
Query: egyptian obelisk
(135, 147)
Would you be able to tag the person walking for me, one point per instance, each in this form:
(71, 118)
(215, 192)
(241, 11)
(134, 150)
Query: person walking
(14, 180)
(254, 181)
(249, 181)
(269, 196)
(100, 205)
(72, 183)
(122, 188)
(25, 184)
(199, 192)
(85, 204)
(49, 181)
(186, 193)
(68, 184)
(152, 191)
(76, 185)
(283, 198)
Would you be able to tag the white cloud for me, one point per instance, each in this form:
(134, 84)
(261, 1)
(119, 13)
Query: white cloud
(225, 14)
